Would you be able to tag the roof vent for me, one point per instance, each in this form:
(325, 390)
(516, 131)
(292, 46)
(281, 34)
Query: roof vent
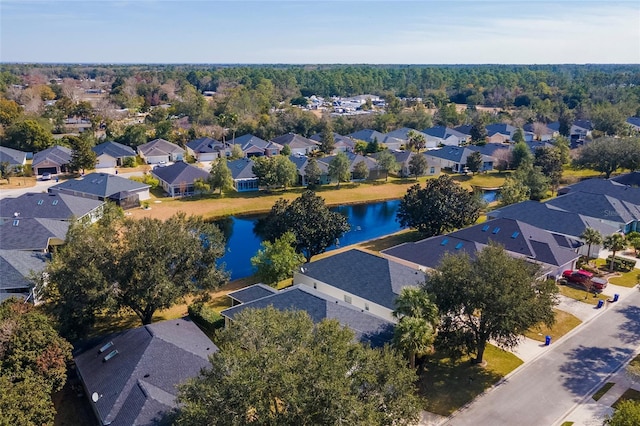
(16, 222)
(459, 246)
(54, 203)
(496, 230)
(485, 228)
(40, 202)
(444, 242)
(110, 355)
(105, 347)
(515, 235)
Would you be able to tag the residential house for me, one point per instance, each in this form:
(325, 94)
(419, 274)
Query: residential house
(372, 164)
(253, 146)
(160, 151)
(298, 144)
(631, 179)
(368, 328)
(105, 187)
(445, 135)
(500, 133)
(301, 162)
(403, 158)
(519, 239)
(112, 154)
(32, 234)
(342, 143)
(131, 377)
(455, 158)
(364, 280)
(56, 206)
(367, 135)
(251, 293)
(14, 158)
(580, 130)
(634, 123)
(540, 131)
(244, 179)
(16, 269)
(207, 149)
(54, 160)
(533, 145)
(395, 139)
(465, 133)
(178, 179)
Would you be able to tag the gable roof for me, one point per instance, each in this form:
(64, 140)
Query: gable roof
(489, 149)
(402, 134)
(179, 172)
(353, 160)
(295, 141)
(604, 207)
(301, 162)
(159, 147)
(248, 140)
(631, 179)
(17, 265)
(465, 129)
(365, 275)
(56, 205)
(59, 155)
(456, 154)
(367, 135)
(634, 121)
(339, 139)
(12, 156)
(242, 168)
(114, 149)
(533, 145)
(31, 233)
(138, 383)
(251, 293)
(366, 326)
(103, 185)
(502, 128)
(610, 187)
(443, 132)
(206, 145)
(539, 127)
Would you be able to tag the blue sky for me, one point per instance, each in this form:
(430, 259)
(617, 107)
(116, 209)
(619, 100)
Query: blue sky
(376, 32)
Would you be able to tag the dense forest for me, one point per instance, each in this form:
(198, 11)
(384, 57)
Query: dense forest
(262, 99)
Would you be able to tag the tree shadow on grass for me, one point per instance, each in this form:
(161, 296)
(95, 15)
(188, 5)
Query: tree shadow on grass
(589, 366)
(447, 385)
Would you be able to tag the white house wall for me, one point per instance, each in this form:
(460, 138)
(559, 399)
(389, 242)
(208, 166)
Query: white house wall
(106, 161)
(357, 301)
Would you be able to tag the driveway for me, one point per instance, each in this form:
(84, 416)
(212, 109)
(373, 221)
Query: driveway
(547, 388)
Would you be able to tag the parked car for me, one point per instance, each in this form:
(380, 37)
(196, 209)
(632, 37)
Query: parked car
(46, 176)
(584, 279)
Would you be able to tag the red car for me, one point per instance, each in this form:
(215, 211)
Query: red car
(585, 279)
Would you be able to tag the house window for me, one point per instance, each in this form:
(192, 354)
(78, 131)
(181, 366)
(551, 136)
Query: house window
(347, 299)
(432, 170)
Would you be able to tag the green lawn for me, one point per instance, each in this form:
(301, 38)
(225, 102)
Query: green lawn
(446, 384)
(604, 389)
(581, 295)
(404, 236)
(565, 322)
(627, 279)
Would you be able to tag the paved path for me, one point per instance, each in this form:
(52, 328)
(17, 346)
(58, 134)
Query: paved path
(550, 386)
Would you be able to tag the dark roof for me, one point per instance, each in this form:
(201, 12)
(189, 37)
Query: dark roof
(59, 155)
(532, 127)
(367, 135)
(12, 156)
(631, 179)
(600, 206)
(353, 160)
(242, 169)
(205, 145)
(429, 252)
(48, 206)
(114, 149)
(139, 383)
(457, 154)
(339, 139)
(533, 145)
(31, 234)
(251, 293)
(179, 172)
(583, 124)
(402, 134)
(301, 162)
(610, 187)
(16, 267)
(367, 327)
(248, 140)
(464, 129)
(543, 216)
(365, 275)
(443, 132)
(634, 121)
(158, 147)
(295, 141)
(502, 128)
(103, 185)
(489, 149)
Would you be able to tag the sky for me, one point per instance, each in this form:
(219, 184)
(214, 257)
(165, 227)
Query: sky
(314, 32)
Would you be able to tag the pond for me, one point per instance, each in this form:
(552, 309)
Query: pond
(368, 221)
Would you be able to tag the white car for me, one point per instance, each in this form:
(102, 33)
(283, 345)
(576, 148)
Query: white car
(46, 176)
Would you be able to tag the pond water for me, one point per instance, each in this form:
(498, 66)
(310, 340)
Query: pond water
(367, 221)
(490, 196)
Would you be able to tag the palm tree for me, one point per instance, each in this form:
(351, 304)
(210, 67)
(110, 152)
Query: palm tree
(591, 237)
(415, 302)
(414, 336)
(415, 140)
(615, 243)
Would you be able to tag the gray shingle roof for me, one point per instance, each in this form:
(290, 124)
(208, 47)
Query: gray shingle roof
(295, 141)
(159, 147)
(353, 160)
(114, 149)
(179, 172)
(246, 141)
(242, 168)
(103, 185)
(634, 121)
(600, 206)
(631, 179)
(339, 139)
(367, 327)
(611, 187)
(12, 156)
(457, 154)
(17, 265)
(48, 206)
(59, 155)
(31, 234)
(367, 135)
(205, 145)
(365, 275)
(138, 383)
(251, 293)
(489, 149)
(402, 133)
(502, 128)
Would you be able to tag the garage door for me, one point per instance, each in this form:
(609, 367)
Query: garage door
(41, 170)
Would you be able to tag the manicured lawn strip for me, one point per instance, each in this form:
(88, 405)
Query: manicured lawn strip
(604, 389)
(446, 385)
(404, 236)
(567, 424)
(578, 294)
(627, 279)
(565, 322)
(628, 395)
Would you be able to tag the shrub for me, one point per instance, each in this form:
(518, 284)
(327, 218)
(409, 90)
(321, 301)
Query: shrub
(621, 264)
(129, 162)
(208, 319)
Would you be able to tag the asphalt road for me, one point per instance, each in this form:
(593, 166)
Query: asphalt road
(543, 391)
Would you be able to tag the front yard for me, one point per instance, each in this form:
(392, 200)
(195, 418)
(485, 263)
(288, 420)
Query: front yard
(565, 322)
